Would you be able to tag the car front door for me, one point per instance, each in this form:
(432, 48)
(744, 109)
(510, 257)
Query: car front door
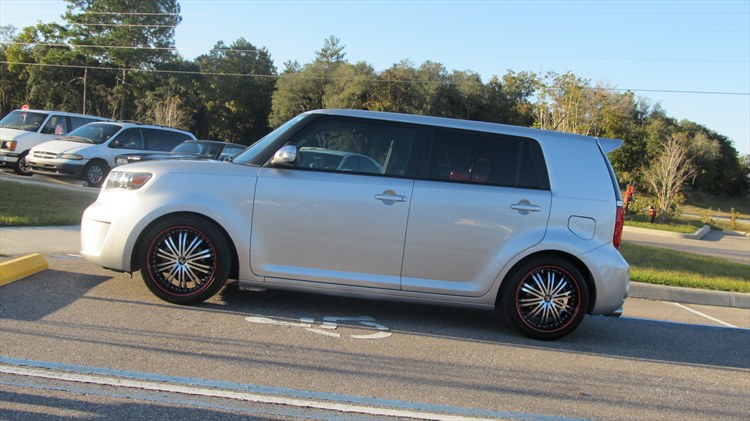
(315, 222)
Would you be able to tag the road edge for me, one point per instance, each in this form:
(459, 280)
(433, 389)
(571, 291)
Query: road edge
(689, 295)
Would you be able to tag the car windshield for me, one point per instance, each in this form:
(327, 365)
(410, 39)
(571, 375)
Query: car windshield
(23, 120)
(204, 149)
(92, 133)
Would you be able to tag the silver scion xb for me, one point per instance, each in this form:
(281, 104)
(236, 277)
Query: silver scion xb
(380, 205)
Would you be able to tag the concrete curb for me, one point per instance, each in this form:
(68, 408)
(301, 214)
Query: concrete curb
(694, 236)
(689, 295)
(21, 267)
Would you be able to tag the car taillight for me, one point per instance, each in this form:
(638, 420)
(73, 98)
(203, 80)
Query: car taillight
(619, 222)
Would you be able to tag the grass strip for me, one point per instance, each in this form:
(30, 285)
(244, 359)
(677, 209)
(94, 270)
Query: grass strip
(680, 225)
(26, 204)
(661, 266)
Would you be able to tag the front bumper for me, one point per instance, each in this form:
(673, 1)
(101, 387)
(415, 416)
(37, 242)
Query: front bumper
(8, 159)
(56, 167)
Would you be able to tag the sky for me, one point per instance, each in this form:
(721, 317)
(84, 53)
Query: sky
(691, 57)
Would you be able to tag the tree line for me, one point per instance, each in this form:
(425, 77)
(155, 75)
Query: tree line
(124, 65)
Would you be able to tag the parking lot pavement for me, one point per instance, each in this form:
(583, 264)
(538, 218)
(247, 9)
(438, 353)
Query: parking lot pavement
(641, 366)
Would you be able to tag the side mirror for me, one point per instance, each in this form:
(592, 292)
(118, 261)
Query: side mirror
(286, 156)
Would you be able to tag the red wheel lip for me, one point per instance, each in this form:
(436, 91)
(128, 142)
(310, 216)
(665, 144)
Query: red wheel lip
(573, 316)
(161, 234)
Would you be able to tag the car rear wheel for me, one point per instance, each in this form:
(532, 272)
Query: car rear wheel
(22, 166)
(95, 173)
(184, 260)
(545, 298)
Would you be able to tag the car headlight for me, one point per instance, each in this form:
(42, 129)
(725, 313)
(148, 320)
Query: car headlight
(127, 180)
(72, 156)
(121, 161)
(9, 144)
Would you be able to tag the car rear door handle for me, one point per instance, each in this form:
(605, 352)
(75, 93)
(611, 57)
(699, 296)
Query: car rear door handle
(525, 206)
(390, 196)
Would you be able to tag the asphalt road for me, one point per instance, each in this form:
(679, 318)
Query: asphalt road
(74, 338)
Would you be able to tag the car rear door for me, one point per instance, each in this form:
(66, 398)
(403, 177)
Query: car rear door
(484, 199)
(320, 223)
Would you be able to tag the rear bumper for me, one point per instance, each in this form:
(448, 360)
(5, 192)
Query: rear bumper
(611, 276)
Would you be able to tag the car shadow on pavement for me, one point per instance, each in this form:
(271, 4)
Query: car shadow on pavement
(27, 305)
(628, 338)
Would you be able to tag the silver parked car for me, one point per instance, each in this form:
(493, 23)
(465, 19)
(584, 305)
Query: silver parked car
(437, 211)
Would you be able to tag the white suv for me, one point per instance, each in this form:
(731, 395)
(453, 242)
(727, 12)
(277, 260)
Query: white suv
(456, 213)
(21, 130)
(88, 153)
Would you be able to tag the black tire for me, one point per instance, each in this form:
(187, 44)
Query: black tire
(545, 298)
(95, 173)
(22, 167)
(184, 260)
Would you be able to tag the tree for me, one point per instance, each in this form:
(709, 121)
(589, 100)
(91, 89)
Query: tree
(12, 78)
(237, 90)
(668, 173)
(299, 90)
(126, 34)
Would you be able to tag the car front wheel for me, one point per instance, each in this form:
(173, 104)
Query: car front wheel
(95, 173)
(545, 298)
(184, 260)
(22, 166)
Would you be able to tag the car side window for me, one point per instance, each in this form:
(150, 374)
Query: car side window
(77, 122)
(481, 158)
(56, 125)
(128, 139)
(163, 140)
(366, 147)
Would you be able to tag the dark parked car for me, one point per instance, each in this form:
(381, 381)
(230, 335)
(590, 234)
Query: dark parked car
(190, 149)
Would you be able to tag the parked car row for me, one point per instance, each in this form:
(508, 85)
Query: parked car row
(21, 130)
(87, 147)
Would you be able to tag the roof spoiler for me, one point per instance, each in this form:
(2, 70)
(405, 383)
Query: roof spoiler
(608, 145)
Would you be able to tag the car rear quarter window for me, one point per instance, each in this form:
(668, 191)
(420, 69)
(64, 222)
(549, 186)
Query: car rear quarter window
(483, 158)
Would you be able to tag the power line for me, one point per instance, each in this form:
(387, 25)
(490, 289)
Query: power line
(229, 49)
(127, 47)
(188, 72)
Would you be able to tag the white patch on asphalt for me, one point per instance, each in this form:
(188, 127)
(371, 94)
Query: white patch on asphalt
(704, 315)
(267, 321)
(329, 323)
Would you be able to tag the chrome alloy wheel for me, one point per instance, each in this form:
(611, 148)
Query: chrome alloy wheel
(548, 299)
(181, 261)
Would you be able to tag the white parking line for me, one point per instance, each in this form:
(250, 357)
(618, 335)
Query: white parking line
(195, 390)
(704, 315)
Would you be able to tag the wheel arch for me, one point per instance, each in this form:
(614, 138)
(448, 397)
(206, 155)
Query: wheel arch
(578, 263)
(233, 271)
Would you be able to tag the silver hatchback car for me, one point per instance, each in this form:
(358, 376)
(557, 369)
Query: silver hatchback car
(438, 211)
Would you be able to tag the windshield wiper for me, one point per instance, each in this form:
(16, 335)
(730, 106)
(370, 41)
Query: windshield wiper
(79, 139)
